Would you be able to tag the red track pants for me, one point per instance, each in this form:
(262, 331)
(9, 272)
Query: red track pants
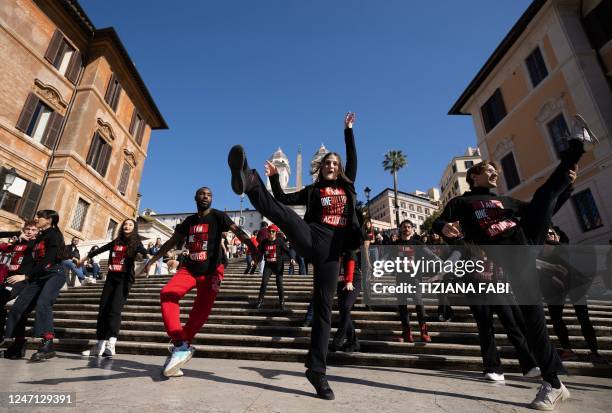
(180, 284)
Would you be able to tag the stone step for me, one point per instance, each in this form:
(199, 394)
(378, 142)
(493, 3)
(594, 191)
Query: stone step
(243, 309)
(367, 346)
(298, 355)
(365, 333)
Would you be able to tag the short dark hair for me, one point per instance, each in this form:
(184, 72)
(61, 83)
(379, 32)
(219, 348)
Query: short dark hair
(477, 169)
(407, 221)
(264, 224)
(29, 223)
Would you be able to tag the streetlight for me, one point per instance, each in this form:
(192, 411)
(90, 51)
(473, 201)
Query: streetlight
(9, 178)
(241, 221)
(367, 191)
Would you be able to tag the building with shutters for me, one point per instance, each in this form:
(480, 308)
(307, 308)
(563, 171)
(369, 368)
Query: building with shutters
(555, 61)
(75, 119)
(413, 206)
(453, 182)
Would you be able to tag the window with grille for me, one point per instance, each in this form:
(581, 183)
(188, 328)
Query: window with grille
(124, 179)
(468, 164)
(80, 213)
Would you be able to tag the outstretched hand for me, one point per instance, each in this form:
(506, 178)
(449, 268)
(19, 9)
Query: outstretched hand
(270, 169)
(452, 230)
(349, 119)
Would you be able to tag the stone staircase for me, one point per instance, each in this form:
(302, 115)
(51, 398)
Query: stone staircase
(234, 330)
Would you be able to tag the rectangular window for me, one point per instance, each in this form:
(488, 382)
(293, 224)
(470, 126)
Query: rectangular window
(11, 197)
(427, 211)
(411, 207)
(557, 129)
(80, 213)
(419, 209)
(456, 185)
(113, 91)
(536, 66)
(468, 164)
(412, 216)
(38, 124)
(587, 211)
(403, 204)
(137, 126)
(39, 121)
(597, 24)
(64, 57)
(510, 172)
(110, 231)
(493, 111)
(124, 179)
(454, 168)
(99, 154)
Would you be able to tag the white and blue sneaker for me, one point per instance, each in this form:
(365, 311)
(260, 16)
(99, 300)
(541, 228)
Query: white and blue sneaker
(180, 356)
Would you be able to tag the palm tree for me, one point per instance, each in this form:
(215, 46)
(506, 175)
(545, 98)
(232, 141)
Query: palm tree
(394, 161)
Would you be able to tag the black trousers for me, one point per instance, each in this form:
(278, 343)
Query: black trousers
(346, 300)
(535, 222)
(40, 294)
(5, 297)
(114, 295)
(270, 268)
(417, 297)
(321, 246)
(514, 330)
(582, 313)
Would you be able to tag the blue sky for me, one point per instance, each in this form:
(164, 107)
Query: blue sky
(272, 73)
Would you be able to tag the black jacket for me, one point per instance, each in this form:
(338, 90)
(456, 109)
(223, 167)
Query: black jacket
(305, 196)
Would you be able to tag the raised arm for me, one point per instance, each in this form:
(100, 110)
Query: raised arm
(350, 168)
(296, 198)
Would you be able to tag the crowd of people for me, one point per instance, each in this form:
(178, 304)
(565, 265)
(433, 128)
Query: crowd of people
(329, 237)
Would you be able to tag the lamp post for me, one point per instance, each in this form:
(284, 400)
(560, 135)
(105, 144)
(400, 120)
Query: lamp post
(367, 191)
(9, 178)
(241, 219)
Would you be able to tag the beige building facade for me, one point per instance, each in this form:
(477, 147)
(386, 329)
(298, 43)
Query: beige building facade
(453, 182)
(75, 119)
(416, 208)
(556, 61)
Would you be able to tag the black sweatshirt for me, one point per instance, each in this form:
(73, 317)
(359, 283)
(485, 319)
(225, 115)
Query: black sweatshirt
(47, 252)
(329, 203)
(118, 260)
(272, 251)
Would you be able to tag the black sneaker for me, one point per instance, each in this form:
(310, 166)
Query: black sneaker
(258, 304)
(351, 346)
(16, 350)
(281, 305)
(319, 382)
(240, 169)
(44, 352)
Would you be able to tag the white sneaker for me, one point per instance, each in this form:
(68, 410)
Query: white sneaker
(180, 356)
(548, 397)
(96, 350)
(534, 372)
(497, 377)
(581, 131)
(91, 280)
(109, 351)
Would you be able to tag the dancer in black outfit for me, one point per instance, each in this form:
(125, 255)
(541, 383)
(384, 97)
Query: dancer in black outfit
(119, 281)
(407, 238)
(45, 278)
(272, 250)
(329, 227)
(15, 281)
(348, 290)
(484, 218)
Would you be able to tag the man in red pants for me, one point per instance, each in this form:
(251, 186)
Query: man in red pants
(202, 270)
